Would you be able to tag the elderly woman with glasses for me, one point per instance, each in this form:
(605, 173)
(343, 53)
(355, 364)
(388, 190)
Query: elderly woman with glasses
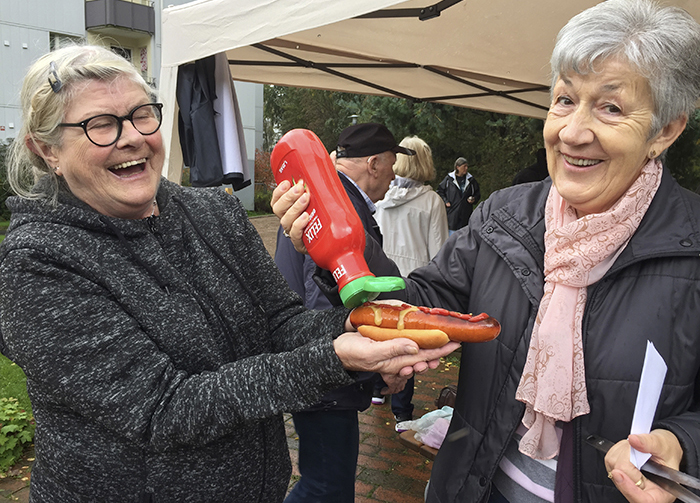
(582, 270)
(160, 343)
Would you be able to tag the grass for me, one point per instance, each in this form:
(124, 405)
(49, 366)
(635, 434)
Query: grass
(257, 213)
(13, 385)
(13, 382)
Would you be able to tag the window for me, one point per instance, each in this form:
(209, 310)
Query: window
(123, 52)
(58, 40)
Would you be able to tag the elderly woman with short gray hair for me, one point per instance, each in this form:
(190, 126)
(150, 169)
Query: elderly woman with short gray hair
(161, 344)
(581, 270)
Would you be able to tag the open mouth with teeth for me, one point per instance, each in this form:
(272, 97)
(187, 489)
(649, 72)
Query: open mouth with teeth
(581, 163)
(129, 168)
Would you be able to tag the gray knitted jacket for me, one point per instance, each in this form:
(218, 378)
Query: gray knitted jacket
(159, 353)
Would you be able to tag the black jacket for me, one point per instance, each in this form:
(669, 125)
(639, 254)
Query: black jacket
(196, 93)
(652, 292)
(158, 361)
(459, 210)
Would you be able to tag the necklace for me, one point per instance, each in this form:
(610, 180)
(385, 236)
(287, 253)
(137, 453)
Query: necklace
(153, 211)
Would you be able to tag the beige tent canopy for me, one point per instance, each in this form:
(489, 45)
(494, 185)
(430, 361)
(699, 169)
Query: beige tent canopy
(483, 54)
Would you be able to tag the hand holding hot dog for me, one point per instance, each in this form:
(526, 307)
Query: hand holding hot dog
(399, 356)
(429, 328)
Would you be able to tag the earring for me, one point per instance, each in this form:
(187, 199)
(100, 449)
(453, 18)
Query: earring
(652, 154)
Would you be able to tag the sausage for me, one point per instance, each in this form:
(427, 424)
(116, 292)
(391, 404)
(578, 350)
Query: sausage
(457, 326)
(426, 339)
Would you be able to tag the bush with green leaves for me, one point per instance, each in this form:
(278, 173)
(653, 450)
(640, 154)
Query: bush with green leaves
(16, 432)
(262, 201)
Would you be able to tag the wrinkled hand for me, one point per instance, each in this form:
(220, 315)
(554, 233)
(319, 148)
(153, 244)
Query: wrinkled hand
(400, 357)
(289, 204)
(394, 383)
(664, 448)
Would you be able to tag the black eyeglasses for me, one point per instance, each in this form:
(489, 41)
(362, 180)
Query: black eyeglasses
(105, 129)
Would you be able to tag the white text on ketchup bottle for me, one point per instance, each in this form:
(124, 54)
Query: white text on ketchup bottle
(339, 272)
(313, 227)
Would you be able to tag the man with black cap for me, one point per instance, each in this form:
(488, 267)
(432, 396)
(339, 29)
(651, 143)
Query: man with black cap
(329, 431)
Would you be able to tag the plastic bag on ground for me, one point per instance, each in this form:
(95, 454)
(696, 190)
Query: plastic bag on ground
(432, 427)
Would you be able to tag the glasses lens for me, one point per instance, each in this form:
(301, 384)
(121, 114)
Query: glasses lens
(146, 118)
(103, 129)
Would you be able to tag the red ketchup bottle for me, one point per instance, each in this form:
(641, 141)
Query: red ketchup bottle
(334, 236)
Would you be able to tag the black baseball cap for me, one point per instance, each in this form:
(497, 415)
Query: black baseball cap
(366, 139)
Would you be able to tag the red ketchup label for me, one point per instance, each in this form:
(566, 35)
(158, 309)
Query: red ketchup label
(334, 237)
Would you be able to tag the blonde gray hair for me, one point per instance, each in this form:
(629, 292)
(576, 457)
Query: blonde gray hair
(662, 43)
(44, 104)
(419, 167)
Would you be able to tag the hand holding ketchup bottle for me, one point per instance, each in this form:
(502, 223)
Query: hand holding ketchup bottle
(334, 236)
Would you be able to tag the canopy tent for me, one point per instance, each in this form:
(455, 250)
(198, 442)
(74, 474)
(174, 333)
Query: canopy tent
(483, 54)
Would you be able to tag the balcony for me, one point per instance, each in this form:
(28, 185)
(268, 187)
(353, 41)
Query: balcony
(137, 15)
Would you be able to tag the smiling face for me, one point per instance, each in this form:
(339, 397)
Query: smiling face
(597, 135)
(120, 180)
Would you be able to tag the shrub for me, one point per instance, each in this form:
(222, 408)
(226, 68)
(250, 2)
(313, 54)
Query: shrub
(264, 179)
(262, 200)
(16, 431)
(264, 182)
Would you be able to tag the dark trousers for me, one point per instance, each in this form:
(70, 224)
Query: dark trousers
(328, 448)
(401, 405)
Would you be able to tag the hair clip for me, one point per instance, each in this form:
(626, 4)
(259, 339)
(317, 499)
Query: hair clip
(54, 81)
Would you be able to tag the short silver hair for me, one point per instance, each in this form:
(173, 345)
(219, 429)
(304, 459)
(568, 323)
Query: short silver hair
(662, 43)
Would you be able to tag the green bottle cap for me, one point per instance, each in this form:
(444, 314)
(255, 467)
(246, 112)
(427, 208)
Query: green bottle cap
(367, 288)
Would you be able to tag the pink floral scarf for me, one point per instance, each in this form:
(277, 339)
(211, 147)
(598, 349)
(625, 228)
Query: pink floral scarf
(578, 252)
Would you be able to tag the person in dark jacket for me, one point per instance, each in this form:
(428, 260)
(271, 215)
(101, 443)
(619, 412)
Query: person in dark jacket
(160, 342)
(329, 430)
(534, 172)
(460, 191)
(582, 269)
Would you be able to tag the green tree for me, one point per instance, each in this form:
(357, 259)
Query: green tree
(683, 157)
(497, 146)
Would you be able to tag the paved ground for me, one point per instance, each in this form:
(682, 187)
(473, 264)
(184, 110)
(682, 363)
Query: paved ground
(267, 228)
(386, 471)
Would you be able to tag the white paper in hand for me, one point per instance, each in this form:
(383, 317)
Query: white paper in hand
(653, 375)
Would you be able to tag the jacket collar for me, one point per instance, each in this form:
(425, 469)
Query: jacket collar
(669, 228)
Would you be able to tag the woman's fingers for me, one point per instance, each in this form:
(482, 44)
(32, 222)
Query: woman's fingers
(289, 203)
(394, 383)
(664, 447)
(395, 356)
(279, 191)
